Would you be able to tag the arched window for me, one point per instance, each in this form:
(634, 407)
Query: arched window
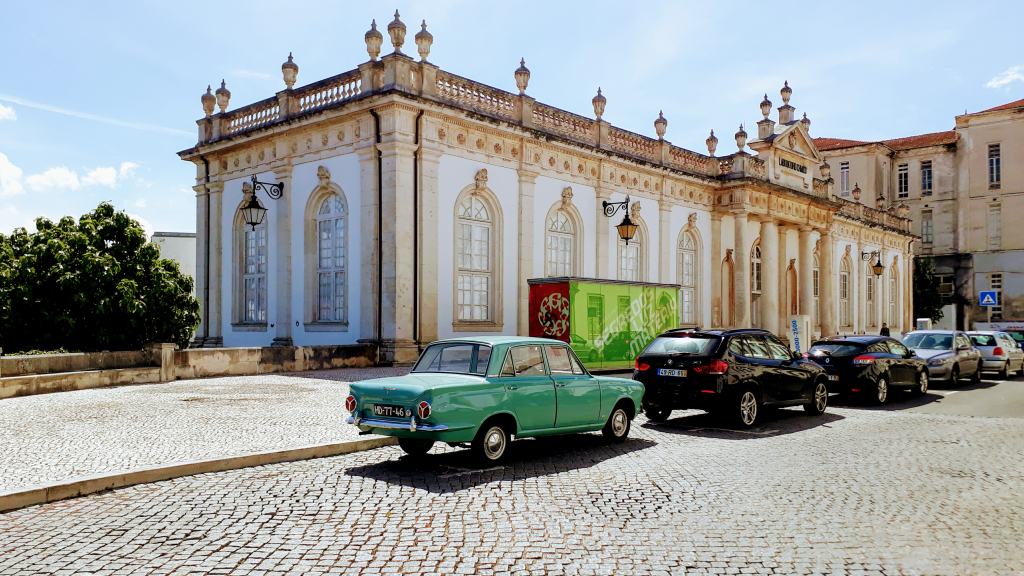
(686, 273)
(474, 260)
(253, 263)
(331, 263)
(893, 286)
(755, 284)
(560, 244)
(844, 292)
(632, 257)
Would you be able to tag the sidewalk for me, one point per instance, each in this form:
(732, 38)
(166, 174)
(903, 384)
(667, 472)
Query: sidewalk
(51, 438)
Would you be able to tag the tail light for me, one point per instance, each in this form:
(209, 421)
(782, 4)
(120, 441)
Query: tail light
(998, 351)
(350, 403)
(863, 360)
(423, 409)
(713, 368)
(641, 366)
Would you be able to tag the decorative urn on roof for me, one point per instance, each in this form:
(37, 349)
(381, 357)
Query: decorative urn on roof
(209, 101)
(903, 210)
(289, 71)
(766, 106)
(856, 192)
(660, 124)
(880, 202)
(373, 39)
(741, 138)
(826, 171)
(522, 76)
(223, 96)
(424, 40)
(599, 101)
(786, 92)
(805, 121)
(396, 29)
(712, 143)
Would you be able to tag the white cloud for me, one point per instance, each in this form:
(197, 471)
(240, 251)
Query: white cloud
(102, 176)
(94, 117)
(126, 169)
(1006, 77)
(10, 177)
(57, 178)
(7, 113)
(140, 203)
(146, 225)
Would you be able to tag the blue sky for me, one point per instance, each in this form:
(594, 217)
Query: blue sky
(97, 97)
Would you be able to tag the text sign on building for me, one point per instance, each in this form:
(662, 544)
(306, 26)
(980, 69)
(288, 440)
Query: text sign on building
(988, 298)
(785, 163)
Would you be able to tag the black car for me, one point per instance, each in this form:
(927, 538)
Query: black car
(869, 366)
(732, 372)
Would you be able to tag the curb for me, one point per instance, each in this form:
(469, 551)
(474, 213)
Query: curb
(92, 484)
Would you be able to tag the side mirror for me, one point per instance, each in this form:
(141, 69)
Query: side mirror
(962, 347)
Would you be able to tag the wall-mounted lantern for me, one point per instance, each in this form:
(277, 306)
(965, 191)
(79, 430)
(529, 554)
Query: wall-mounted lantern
(626, 229)
(253, 212)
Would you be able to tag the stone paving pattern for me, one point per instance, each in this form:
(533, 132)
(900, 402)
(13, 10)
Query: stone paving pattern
(856, 491)
(53, 437)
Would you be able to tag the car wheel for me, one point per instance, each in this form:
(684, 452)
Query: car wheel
(491, 443)
(658, 414)
(617, 427)
(1020, 371)
(415, 446)
(954, 376)
(1004, 374)
(881, 390)
(818, 401)
(747, 408)
(976, 377)
(922, 383)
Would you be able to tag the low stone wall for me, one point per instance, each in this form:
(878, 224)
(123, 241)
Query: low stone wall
(206, 362)
(52, 363)
(30, 384)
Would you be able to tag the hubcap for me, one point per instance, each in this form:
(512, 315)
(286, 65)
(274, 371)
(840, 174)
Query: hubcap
(820, 397)
(883, 389)
(494, 443)
(923, 381)
(748, 407)
(619, 422)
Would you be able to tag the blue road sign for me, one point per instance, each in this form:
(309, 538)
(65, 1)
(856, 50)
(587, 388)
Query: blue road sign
(988, 298)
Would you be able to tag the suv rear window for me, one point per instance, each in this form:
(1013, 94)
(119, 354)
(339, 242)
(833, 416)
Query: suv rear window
(835, 348)
(688, 344)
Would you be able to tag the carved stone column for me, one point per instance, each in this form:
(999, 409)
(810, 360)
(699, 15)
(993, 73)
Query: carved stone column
(527, 185)
(283, 258)
(602, 225)
(202, 258)
(397, 255)
(782, 313)
(666, 248)
(805, 268)
(428, 250)
(368, 222)
(217, 233)
(741, 264)
(716, 270)
(769, 276)
(827, 284)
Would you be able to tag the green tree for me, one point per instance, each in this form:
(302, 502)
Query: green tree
(927, 301)
(97, 284)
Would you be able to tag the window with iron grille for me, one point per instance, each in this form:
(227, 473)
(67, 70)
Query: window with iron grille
(844, 178)
(927, 227)
(995, 227)
(995, 283)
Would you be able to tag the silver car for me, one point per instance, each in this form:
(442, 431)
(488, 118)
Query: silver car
(949, 353)
(999, 352)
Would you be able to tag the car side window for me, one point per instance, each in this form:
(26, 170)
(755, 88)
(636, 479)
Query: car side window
(878, 347)
(737, 347)
(962, 340)
(577, 366)
(757, 347)
(507, 368)
(897, 348)
(776, 349)
(528, 360)
(558, 360)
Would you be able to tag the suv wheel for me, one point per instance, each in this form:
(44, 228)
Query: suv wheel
(819, 400)
(746, 408)
(657, 414)
(881, 390)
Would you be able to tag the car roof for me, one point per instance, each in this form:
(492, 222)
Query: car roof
(986, 332)
(500, 339)
(933, 331)
(715, 331)
(858, 338)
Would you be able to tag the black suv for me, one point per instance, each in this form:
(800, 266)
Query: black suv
(734, 372)
(869, 365)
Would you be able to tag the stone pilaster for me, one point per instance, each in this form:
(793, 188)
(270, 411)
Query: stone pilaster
(782, 313)
(283, 257)
(805, 268)
(769, 276)
(428, 249)
(666, 247)
(368, 213)
(716, 270)
(202, 258)
(827, 284)
(602, 226)
(741, 264)
(217, 247)
(527, 185)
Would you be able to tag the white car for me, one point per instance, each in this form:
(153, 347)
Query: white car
(999, 352)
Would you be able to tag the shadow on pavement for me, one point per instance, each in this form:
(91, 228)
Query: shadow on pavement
(456, 470)
(898, 400)
(774, 422)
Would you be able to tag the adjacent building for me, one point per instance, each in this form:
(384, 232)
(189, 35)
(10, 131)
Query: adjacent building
(415, 204)
(962, 187)
(180, 247)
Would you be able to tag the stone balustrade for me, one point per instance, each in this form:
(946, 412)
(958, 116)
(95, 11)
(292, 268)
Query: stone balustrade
(476, 96)
(572, 126)
(883, 218)
(253, 116)
(329, 91)
(633, 144)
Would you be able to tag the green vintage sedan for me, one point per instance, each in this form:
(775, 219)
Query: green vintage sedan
(483, 391)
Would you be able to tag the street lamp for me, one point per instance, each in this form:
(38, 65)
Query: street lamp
(253, 212)
(877, 267)
(626, 229)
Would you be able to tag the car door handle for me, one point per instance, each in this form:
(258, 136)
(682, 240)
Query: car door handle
(511, 386)
(561, 384)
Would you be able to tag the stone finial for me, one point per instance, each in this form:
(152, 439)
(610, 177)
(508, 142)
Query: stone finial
(712, 143)
(826, 170)
(323, 175)
(480, 180)
(424, 40)
(522, 76)
(396, 29)
(786, 92)
(741, 138)
(805, 121)
(634, 211)
(660, 124)
(903, 210)
(223, 96)
(880, 202)
(766, 106)
(599, 101)
(566, 196)
(289, 71)
(208, 100)
(373, 39)
(856, 191)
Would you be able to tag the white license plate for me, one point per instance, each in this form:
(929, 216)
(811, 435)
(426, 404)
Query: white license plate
(671, 372)
(392, 411)
(833, 377)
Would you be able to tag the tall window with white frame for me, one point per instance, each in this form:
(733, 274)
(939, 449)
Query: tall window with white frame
(330, 267)
(902, 181)
(559, 245)
(686, 270)
(755, 284)
(815, 281)
(844, 293)
(893, 288)
(844, 178)
(995, 283)
(474, 267)
(926, 178)
(631, 258)
(869, 296)
(927, 227)
(995, 226)
(254, 274)
(995, 166)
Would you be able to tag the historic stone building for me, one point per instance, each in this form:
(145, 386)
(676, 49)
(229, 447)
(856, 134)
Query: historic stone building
(962, 187)
(417, 203)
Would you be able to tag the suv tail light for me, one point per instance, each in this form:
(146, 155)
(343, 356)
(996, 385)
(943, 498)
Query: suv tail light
(998, 351)
(713, 368)
(350, 403)
(863, 360)
(641, 366)
(423, 409)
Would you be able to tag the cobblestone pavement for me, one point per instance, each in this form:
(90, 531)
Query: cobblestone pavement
(856, 491)
(53, 437)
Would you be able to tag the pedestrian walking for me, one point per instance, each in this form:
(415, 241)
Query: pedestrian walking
(885, 329)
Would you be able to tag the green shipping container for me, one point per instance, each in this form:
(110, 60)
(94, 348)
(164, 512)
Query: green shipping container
(607, 322)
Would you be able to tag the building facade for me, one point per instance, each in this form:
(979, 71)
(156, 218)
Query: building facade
(417, 203)
(962, 187)
(180, 247)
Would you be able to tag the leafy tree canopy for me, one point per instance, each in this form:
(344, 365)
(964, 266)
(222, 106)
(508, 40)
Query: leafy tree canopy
(927, 300)
(95, 284)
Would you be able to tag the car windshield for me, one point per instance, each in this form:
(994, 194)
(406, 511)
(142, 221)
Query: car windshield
(983, 339)
(455, 358)
(929, 341)
(682, 344)
(834, 349)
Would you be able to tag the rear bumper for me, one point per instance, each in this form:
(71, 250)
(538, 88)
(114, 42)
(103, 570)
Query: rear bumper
(993, 364)
(682, 395)
(411, 425)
